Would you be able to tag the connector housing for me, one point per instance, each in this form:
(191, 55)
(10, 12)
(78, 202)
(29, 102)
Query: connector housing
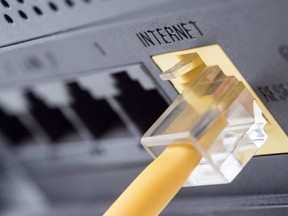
(218, 116)
(212, 55)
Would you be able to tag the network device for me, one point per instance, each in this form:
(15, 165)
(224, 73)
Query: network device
(80, 83)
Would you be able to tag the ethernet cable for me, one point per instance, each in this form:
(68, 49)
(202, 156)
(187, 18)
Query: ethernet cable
(154, 188)
(206, 136)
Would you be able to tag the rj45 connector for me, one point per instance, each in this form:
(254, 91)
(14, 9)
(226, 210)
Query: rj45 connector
(216, 114)
(181, 67)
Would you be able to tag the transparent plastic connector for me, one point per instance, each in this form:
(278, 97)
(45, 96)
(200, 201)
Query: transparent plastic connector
(218, 116)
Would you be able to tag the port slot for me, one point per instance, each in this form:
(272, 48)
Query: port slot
(52, 121)
(13, 129)
(96, 114)
(141, 105)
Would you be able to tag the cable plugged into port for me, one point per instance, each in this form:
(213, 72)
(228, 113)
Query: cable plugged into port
(216, 112)
(206, 136)
(182, 68)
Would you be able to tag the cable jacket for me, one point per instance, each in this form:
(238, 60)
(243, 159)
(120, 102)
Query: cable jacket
(155, 187)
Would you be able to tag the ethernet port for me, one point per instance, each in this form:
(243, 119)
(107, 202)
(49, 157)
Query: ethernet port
(52, 121)
(13, 129)
(141, 105)
(96, 114)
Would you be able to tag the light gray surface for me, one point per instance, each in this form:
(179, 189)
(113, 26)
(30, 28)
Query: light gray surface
(83, 12)
(239, 28)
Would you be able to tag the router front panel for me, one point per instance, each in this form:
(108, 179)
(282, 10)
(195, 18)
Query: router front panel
(78, 89)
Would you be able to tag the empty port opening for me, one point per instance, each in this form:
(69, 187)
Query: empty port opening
(142, 106)
(52, 121)
(96, 114)
(13, 129)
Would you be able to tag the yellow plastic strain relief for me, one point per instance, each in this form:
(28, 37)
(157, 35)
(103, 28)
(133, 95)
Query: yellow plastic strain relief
(154, 188)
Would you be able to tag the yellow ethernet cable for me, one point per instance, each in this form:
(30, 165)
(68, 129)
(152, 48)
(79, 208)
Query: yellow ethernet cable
(206, 136)
(153, 189)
